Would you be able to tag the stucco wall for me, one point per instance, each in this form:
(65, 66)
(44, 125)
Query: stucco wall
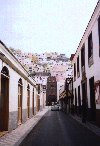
(14, 77)
(94, 70)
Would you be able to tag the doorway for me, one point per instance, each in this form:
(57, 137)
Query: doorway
(38, 103)
(33, 101)
(79, 99)
(20, 91)
(84, 101)
(92, 99)
(4, 100)
(28, 101)
(75, 101)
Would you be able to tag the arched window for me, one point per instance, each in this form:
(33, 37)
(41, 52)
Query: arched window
(20, 82)
(5, 71)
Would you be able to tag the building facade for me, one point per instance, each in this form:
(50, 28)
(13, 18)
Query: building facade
(51, 91)
(18, 91)
(86, 71)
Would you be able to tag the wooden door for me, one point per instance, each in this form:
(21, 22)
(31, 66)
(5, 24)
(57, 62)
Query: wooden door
(79, 100)
(84, 102)
(4, 103)
(75, 100)
(38, 103)
(33, 101)
(28, 102)
(19, 104)
(92, 99)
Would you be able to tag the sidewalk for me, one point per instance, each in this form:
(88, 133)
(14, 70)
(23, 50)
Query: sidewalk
(88, 125)
(15, 137)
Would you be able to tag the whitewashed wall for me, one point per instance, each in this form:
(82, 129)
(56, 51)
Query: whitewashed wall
(94, 70)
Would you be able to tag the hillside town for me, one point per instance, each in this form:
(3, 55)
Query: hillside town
(47, 96)
(42, 66)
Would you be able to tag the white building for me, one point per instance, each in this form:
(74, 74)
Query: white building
(60, 88)
(18, 96)
(86, 66)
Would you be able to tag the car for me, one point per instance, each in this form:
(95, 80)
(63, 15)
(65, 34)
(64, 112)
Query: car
(59, 107)
(54, 108)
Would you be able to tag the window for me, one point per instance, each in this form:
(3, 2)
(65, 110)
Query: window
(99, 33)
(90, 46)
(83, 56)
(83, 59)
(78, 66)
(74, 71)
(90, 49)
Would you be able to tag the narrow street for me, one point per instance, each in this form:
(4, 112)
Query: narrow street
(59, 129)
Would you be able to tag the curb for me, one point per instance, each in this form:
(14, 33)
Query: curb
(15, 137)
(88, 125)
(23, 137)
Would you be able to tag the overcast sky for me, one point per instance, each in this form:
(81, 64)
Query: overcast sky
(44, 25)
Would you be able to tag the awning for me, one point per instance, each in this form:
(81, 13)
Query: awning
(63, 94)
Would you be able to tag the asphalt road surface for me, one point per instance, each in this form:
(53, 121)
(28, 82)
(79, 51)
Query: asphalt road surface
(59, 129)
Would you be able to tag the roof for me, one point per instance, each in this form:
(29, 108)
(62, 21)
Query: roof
(87, 25)
(16, 59)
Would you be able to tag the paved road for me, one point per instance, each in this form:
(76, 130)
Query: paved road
(58, 129)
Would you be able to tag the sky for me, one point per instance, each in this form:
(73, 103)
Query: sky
(40, 26)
